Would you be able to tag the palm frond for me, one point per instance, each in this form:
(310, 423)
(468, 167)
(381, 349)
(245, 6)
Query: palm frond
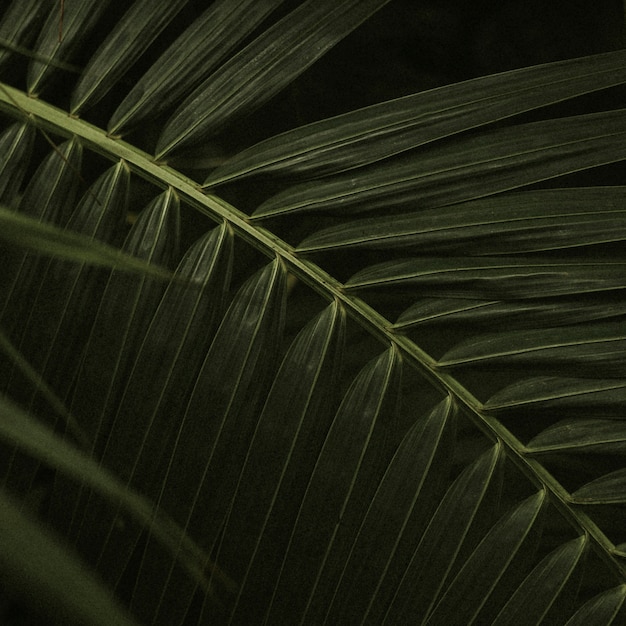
(391, 394)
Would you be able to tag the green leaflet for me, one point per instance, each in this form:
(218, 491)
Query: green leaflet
(608, 489)
(532, 600)
(18, 27)
(517, 314)
(468, 168)
(133, 34)
(177, 340)
(262, 69)
(593, 350)
(390, 526)
(16, 144)
(531, 221)
(126, 304)
(493, 277)
(580, 435)
(190, 59)
(439, 546)
(212, 439)
(53, 580)
(547, 393)
(377, 132)
(47, 199)
(600, 610)
(290, 431)
(332, 481)
(59, 38)
(487, 564)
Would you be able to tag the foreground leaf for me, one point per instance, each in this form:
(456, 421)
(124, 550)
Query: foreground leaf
(48, 577)
(50, 240)
(21, 430)
(469, 168)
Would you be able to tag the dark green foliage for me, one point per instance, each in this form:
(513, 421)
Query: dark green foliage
(367, 370)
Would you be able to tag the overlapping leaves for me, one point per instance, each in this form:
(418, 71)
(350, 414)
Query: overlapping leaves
(248, 462)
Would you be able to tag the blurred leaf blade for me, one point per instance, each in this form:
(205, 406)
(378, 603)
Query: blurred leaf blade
(46, 570)
(22, 430)
(47, 239)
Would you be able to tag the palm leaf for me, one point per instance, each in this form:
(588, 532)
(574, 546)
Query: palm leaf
(374, 133)
(414, 415)
(263, 68)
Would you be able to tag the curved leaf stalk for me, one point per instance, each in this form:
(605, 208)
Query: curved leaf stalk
(51, 119)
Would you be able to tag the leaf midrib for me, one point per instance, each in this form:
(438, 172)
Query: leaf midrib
(49, 118)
